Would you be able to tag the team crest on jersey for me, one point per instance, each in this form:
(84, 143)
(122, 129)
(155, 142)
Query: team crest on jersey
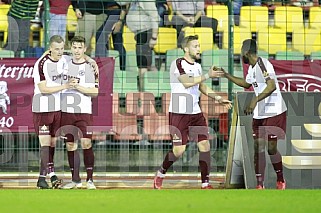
(176, 139)
(265, 74)
(43, 130)
(81, 72)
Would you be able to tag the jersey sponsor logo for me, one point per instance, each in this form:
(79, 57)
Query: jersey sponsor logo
(64, 77)
(67, 77)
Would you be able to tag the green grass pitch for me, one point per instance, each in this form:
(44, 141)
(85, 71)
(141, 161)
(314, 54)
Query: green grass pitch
(172, 200)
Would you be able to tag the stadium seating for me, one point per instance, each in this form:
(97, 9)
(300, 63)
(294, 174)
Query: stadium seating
(125, 81)
(315, 17)
(171, 55)
(157, 82)
(125, 125)
(263, 54)
(6, 54)
(115, 55)
(156, 127)
(289, 55)
(212, 109)
(166, 97)
(140, 103)
(131, 63)
(224, 126)
(129, 39)
(254, 17)
(288, 18)
(4, 9)
(72, 21)
(315, 55)
(306, 40)
(220, 13)
(166, 40)
(205, 36)
(218, 58)
(117, 81)
(4, 27)
(272, 40)
(240, 34)
(36, 30)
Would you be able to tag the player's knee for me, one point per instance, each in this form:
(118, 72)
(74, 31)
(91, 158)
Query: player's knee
(272, 150)
(71, 146)
(272, 147)
(204, 146)
(178, 150)
(45, 140)
(86, 143)
(259, 145)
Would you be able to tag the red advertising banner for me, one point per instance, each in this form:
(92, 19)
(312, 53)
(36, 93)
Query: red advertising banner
(16, 92)
(300, 76)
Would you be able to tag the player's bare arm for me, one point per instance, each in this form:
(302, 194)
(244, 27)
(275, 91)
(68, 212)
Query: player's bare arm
(44, 89)
(270, 88)
(209, 92)
(89, 91)
(238, 81)
(189, 81)
(92, 63)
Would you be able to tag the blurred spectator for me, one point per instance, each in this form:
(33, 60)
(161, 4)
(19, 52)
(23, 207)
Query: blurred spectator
(92, 21)
(19, 16)
(304, 3)
(190, 13)
(90, 16)
(58, 17)
(237, 4)
(163, 12)
(142, 19)
(5, 1)
(113, 26)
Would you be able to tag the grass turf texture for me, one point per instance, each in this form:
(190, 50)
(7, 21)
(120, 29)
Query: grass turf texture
(137, 200)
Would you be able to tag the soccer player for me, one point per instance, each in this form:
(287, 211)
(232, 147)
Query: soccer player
(186, 120)
(46, 106)
(77, 112)
(268, 108)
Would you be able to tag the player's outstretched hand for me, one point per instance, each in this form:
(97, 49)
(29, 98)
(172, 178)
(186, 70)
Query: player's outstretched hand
(226, 103)
(72, 83)
(216, 72)
(250, 108)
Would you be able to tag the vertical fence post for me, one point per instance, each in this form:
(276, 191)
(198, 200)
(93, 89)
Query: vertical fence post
(230, 52)
(46, 24)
